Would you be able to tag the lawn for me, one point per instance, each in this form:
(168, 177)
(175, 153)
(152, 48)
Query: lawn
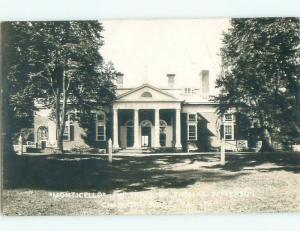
(167, 184)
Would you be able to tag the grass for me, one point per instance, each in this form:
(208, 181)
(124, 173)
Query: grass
(166, 184)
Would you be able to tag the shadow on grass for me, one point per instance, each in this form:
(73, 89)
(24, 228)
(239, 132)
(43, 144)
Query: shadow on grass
(280, 161)
(136, 173)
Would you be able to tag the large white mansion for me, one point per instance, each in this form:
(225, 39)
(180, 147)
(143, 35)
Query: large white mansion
(149, 117)
(164, 97)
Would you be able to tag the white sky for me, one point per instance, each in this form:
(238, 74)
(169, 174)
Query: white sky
(146, 50)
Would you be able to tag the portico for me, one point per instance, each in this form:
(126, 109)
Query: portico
(151, 120)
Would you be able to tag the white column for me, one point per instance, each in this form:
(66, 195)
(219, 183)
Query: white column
(136, 143)
(178, 130)
(156, 129)
(116, 128)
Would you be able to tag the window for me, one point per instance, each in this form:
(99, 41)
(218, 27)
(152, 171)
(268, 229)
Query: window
(163, 123)
(100, 127)
(147, 94)
(100, 117)
(42, 133)
(192, 118)
(192, 126)
(192, 132)
(146, 123)
(66, 133)
(228, 117)
(69, 128)
(100, 133)
(228, 132)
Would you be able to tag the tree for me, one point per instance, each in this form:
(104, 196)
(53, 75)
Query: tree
(56, 64)
(259, 75)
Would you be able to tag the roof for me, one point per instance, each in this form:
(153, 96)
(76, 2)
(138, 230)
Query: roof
(144, 86)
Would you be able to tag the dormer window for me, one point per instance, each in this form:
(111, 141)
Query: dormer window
(147, 94)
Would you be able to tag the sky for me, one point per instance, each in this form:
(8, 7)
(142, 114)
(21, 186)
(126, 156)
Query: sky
(145, 51)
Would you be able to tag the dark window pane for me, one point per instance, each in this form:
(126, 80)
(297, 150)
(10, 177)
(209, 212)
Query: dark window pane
(71, 132)
(100, 133)
(192, 117)
(228, 117)
(66, 133)
(192, 132)
(228, 137)
(100, 117)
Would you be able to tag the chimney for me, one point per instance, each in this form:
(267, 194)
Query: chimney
(171, 80)
(204, 85)
(120, 80)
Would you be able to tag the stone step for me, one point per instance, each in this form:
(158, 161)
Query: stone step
(134, 150)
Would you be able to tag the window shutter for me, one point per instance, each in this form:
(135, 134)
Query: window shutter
(235, 132)
(93, 127)
(222, 131)
(71, 132)
(184, 129)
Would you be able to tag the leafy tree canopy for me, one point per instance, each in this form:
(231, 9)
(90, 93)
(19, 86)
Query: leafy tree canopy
(58, 63)
(260, 75)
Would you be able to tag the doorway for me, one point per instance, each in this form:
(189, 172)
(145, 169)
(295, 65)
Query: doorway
(146, 137)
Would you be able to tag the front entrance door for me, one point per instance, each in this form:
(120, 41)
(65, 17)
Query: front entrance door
(146, 136)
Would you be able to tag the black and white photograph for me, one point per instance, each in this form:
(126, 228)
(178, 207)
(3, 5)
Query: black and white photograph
(150, 116)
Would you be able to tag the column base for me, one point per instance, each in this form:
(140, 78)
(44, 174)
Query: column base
(178, 146)
(116, 147)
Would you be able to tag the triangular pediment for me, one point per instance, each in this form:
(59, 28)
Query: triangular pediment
(146, 92)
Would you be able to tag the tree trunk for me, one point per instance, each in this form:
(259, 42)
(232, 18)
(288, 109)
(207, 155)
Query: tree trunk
(265, 136)
(266, 141)
(60, 114)
(57, 119)
(60, 141)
